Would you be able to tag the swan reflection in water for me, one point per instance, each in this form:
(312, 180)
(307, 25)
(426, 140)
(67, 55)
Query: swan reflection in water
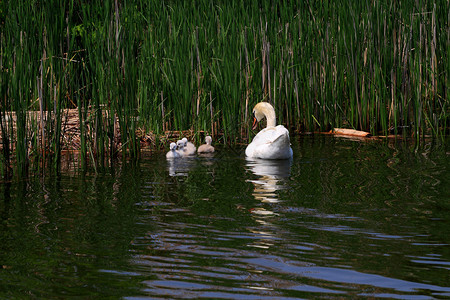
(272, 174)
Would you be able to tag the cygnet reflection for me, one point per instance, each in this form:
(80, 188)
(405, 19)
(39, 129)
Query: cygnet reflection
(180, 166)
(271, 175)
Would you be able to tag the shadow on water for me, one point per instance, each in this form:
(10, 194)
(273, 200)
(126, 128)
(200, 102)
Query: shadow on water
(342, 219)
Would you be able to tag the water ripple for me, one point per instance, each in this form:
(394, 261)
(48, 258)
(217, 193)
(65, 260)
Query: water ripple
(188, 265)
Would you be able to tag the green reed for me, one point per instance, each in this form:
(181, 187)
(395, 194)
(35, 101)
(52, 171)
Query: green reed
(166, 65)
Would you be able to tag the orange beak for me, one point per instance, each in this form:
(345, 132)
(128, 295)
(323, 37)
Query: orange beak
(255, 123)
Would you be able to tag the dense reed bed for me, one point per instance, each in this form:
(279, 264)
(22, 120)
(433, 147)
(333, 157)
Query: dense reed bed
(379, 66)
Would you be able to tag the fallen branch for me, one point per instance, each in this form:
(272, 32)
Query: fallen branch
(350, 132)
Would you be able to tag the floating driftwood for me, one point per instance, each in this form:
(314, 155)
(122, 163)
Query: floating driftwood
(350, 132)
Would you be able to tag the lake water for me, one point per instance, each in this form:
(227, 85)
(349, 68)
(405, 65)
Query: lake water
(343, 219)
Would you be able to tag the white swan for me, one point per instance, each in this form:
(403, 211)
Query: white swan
(273, 141)
(189, 148)
(173, 151)
(206, 148)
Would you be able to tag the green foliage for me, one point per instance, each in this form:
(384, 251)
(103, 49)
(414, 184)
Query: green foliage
(379, 66)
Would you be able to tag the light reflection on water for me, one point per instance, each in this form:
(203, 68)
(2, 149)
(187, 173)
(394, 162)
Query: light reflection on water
(341, 219)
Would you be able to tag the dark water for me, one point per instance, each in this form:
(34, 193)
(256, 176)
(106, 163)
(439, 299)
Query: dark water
(342, 219)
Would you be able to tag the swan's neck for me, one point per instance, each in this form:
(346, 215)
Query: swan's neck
(271, 119)
(264, 109)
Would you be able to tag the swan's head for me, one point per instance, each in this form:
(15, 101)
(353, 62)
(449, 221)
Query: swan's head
(185, 141)
(208, 140)
(180, 144)
(261, 110)
(173, 146)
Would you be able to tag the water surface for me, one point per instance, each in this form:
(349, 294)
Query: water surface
(342, 219)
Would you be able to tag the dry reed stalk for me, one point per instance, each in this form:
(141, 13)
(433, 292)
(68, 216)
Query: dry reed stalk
(211, 113)
(199, 72)
(433, 52)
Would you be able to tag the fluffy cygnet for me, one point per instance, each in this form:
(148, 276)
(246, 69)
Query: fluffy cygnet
(173, 151)
(180, 148)
(206, 148)
(189, 148)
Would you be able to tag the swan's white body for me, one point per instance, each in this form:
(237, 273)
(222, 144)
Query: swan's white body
(273, 141)
(206, 148)
(173, 151)
(270, 143)
(189, 148)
